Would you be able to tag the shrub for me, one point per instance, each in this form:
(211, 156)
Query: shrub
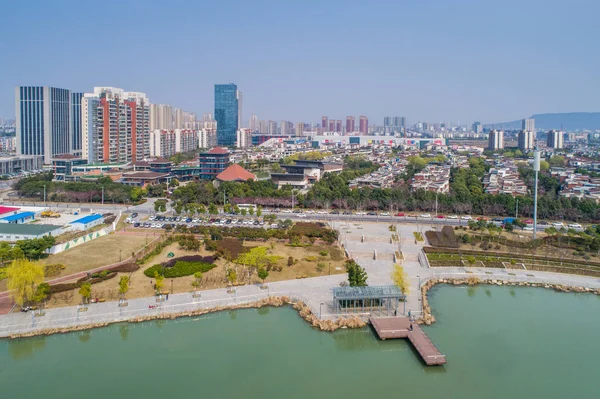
(320, 267)
(210, 245)
(290, 261)
(323, 253)
(53, 270)
(190, 258)
(179, 269)
(126, 268)
(310, 258)
(103, 273)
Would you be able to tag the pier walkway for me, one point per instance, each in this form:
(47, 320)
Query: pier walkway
(399, 327)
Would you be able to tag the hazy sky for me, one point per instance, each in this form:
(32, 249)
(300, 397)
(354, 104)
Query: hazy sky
(444, 60)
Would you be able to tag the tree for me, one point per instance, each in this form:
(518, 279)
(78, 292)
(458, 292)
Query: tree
(35, 248)
(259, 211)
(231, 276)
(23, 276)
(251, 211)
(557, 160)
(286, 224)
(41, 293)
(212, 209)
(160, 281)
(544, 165)
(263, 274)
(197, 282)
(257, 258)
(86, 292)
(244, 211)
(400, 278)
(357, 276)
(123, 286)
(201, 209)
(160, 206)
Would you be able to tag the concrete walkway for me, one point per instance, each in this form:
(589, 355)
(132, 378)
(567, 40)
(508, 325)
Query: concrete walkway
(315, 292)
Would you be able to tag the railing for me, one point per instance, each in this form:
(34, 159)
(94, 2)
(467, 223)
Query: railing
(423, 261)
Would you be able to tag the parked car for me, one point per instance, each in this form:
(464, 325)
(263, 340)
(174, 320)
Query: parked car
(400, 214)
(466, 217)
(441, 217)
(360, 213)
(301, 215)
(575, 226)
(335, 212)
(372, 213)
(385, 214)
(451, 217)
(558, 225)
(134, 215)
(425, 216)
(347, 213)
(528, 228)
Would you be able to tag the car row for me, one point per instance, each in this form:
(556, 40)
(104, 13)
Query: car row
(156, 222)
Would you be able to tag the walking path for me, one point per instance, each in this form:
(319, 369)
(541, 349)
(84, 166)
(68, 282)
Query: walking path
(315, 292)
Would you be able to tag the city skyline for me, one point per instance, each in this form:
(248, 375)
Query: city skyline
(458, 69)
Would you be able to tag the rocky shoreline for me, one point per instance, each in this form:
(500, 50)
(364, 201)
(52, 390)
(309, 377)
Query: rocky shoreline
(276, 301)
(427, 318)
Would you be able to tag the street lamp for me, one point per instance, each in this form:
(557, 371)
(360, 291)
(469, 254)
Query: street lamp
(120, 251)
(321, 309)
(171, 286)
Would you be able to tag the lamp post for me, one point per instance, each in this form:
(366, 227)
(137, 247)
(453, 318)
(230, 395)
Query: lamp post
(120, 251)
(171, 286)
(321, 309)
(44, 195)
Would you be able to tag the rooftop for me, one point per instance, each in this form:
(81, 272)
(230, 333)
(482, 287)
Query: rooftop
(144, 175)
(18, 216)
(235, 173)
(6, 209)
(375, 291)
(29, 229)
(87, 219)
(218, 150)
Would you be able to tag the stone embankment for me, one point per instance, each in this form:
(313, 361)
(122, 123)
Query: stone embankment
(428, 318)
(275, 301)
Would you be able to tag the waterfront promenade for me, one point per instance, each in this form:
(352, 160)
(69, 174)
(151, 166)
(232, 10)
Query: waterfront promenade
(315, 292)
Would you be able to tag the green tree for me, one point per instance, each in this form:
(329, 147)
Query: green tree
(231, 276)
(544, 166)
(42, 292)
(251, 211)
(86, 292)
(201, 209)
(123, 286)
(244, 211)
(357, 276)
(197, 282)
(557, 160)
(259, 211)
(263, 274)
(212, 209)
(35, 248)
(23, 276)
(160, 206)
(257, 258)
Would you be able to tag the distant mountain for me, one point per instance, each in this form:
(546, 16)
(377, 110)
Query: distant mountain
(566, 121)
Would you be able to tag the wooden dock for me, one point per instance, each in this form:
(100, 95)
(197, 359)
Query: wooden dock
(399, 327)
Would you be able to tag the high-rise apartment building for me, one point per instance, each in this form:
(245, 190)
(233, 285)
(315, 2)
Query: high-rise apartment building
(43, 121)
(239, 98)
(338, 126)
(387, 121)
(226, 113)
(555, 139)
(166, 143)
(398, 121)
(253, 123)
(350, 124)
(324, 123)
(161, 117)
(528, 124)
(244, 138)
(115, 126)
(496, 140)
(363, 125)
(76, 123)
(207, 137)
(477, 127)
(526, 140)
(263, 127)
(272, 128)
(331, 127)
(299, 129)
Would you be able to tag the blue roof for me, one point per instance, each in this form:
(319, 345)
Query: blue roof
(19, 216)
(87, 219)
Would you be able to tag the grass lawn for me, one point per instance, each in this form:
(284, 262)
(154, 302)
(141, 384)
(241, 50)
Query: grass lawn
(99, 252)
(141, 286)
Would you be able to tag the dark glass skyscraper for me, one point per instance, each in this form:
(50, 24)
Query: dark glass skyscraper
(226, 114)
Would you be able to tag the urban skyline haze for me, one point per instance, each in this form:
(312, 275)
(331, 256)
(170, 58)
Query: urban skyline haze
(431, 60)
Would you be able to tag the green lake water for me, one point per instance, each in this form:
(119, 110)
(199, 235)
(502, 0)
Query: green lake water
(500, 343)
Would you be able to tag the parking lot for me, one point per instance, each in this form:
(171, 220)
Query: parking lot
(165, 222)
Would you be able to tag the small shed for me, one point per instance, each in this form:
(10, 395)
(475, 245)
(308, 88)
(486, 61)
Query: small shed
(382, 299)
(87, 222)
(18, 218)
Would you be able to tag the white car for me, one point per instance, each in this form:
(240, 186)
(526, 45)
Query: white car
(452, 217)
(466, 217)
(558, 225)
(575, 226)
(361, 213)
(425, 216)
(300, 215)
(322, 212)
(287, 211)
(310, 211)
(385, 214)
(528, 228)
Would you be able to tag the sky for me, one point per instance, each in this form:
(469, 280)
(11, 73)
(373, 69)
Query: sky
(436, 61)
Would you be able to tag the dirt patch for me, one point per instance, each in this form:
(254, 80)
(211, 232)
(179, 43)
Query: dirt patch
(318, 264)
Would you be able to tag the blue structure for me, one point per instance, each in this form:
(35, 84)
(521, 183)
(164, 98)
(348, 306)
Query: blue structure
(87, 222)
(18, 218)
(226, 114)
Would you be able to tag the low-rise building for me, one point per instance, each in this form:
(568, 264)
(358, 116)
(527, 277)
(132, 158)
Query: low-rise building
(433, 177)
(15, 232)
(504, 181)
(21, 163)
(87, 222)
(18, 218)
(213, 162)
